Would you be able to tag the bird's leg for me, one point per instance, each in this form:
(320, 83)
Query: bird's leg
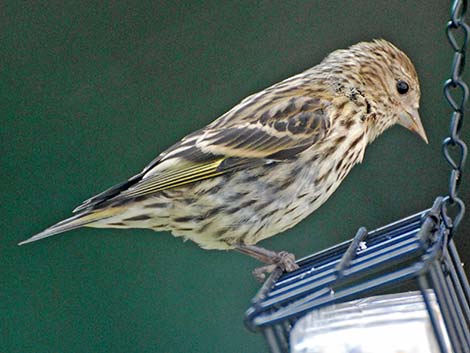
(284, 260)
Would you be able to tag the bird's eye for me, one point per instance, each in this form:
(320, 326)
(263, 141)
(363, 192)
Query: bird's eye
(402, 87)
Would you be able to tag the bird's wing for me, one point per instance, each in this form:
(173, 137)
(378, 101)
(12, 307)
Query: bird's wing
(233, 142)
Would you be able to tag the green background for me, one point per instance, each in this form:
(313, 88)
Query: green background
(92, 91)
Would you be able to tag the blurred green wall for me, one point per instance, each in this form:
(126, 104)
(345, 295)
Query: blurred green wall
(92, 91)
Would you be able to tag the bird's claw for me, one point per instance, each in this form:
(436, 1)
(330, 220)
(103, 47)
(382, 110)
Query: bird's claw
(284, 261)
(287, 261)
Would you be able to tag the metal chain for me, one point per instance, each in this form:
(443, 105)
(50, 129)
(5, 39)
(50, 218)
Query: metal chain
(456, 93)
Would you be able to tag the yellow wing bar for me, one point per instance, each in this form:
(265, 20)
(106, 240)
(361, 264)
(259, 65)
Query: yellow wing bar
(175, 178)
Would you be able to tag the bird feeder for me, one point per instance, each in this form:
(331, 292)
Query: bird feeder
(399, 288)
(413, 255)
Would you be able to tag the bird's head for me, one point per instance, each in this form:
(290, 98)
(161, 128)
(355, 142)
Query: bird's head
(391, 83)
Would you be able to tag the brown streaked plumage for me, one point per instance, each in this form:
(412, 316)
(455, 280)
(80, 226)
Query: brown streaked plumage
(268, 162)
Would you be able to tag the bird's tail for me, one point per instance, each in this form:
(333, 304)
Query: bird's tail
(77, 221)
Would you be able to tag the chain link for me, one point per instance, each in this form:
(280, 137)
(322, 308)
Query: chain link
(456, 93)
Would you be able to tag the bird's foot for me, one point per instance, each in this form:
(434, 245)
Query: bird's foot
(282, 260)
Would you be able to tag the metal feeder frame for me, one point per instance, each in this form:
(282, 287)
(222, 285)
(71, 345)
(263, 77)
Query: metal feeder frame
(413, 253)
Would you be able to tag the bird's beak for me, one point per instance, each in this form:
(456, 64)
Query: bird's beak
(412, 121)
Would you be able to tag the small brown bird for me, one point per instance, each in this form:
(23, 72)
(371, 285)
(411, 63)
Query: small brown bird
(268, 162)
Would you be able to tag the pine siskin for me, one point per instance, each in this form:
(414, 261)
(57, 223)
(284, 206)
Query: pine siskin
(268, 162)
